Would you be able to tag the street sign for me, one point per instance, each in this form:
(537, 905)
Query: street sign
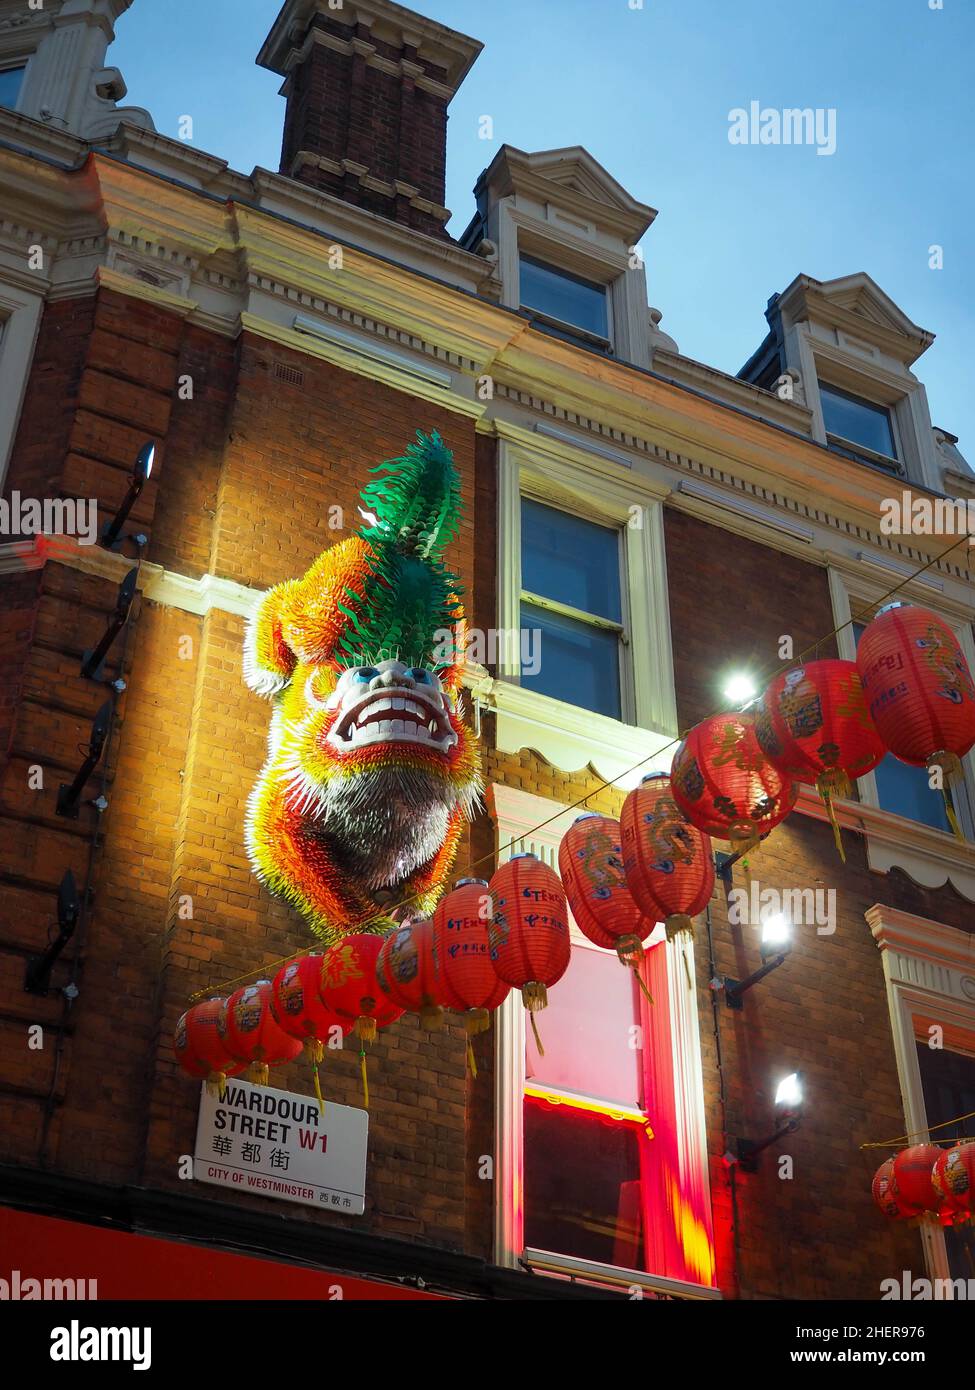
(277, 1144)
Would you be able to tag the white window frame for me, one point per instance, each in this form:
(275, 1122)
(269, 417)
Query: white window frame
(929, 969)
(584, 335)
(562, 475)
(20, 317)
(864, 449)
(899, 392)
(516, 813)
(566, 243)
(591, 620)
(929, 856)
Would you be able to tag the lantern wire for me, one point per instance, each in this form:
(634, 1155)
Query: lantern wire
(893, 1143)
(593, 791)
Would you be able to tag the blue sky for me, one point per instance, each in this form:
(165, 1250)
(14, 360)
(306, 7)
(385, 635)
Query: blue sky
(648, 92)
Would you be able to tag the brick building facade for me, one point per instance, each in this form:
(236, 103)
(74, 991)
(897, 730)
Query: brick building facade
(276, 334)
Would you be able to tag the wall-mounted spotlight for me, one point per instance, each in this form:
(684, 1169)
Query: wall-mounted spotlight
(140, 476)
(776, 944)
(93, 662)
(37, 979)
(788, 1117)
(69, 794)
(740, 690)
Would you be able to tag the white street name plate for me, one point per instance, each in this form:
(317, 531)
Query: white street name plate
(277, 1144)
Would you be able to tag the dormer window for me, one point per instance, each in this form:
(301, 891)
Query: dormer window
(10, 84)
(851, 420)
(565, 304)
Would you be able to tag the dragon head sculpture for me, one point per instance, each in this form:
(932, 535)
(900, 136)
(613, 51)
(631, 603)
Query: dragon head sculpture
(371, 769)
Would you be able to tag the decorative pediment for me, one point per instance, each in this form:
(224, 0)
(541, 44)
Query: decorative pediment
(857, 305)
(861, 296)
(574, 181)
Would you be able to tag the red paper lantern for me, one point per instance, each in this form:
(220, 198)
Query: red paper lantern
(726, 786)
(814, 725)
(953, 1178)
(669, 863)
(529, 930)
(919, 689)
(252, 1034)
(461, 941)
(349, 986)
(911, 1177)
(300, 1012)
(591, 866)
(885, 1194)
(408, 972)
(200, 1048)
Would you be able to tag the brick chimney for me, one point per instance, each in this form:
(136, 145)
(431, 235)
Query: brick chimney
(368, 84)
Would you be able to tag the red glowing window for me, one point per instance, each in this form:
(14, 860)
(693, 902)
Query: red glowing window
(586, 1134)
(584, 1184)
(606, 1176)
(591, 1032)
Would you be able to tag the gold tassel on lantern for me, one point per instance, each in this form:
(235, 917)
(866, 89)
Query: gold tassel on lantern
(630, 951)
(365, 1077)
(535, 996)
(318, 1088)
(744, 839)
(677, 925)
(835, 782)
(365, 1028)
(315, 1053)
(471, 1063)
(477, 1021)
(431, 1018)
(259, 1073)
(216, 1084)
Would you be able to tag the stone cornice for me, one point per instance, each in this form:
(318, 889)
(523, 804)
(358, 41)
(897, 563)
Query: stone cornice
(930, 857)
(446, 48)
(906, 932)
(219, 259)
(685, 371)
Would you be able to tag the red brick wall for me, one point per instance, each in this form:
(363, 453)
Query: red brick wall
(824, 1012)
(249, 467)
(715, 574)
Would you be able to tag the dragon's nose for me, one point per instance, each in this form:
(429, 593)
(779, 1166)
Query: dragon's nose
(388, 679)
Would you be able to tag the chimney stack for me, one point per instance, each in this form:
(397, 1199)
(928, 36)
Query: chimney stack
(367, 84)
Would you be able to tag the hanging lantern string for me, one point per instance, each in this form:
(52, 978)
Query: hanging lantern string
(594, 791)
(893, 1143)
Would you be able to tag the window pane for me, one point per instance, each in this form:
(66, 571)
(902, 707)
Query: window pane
(586, 1032)
(563, 296)
(904, 791)
(582, 1185)
(10, 80)
(857, 420)
(948, 1087)
(576, 663)
(574, 561)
